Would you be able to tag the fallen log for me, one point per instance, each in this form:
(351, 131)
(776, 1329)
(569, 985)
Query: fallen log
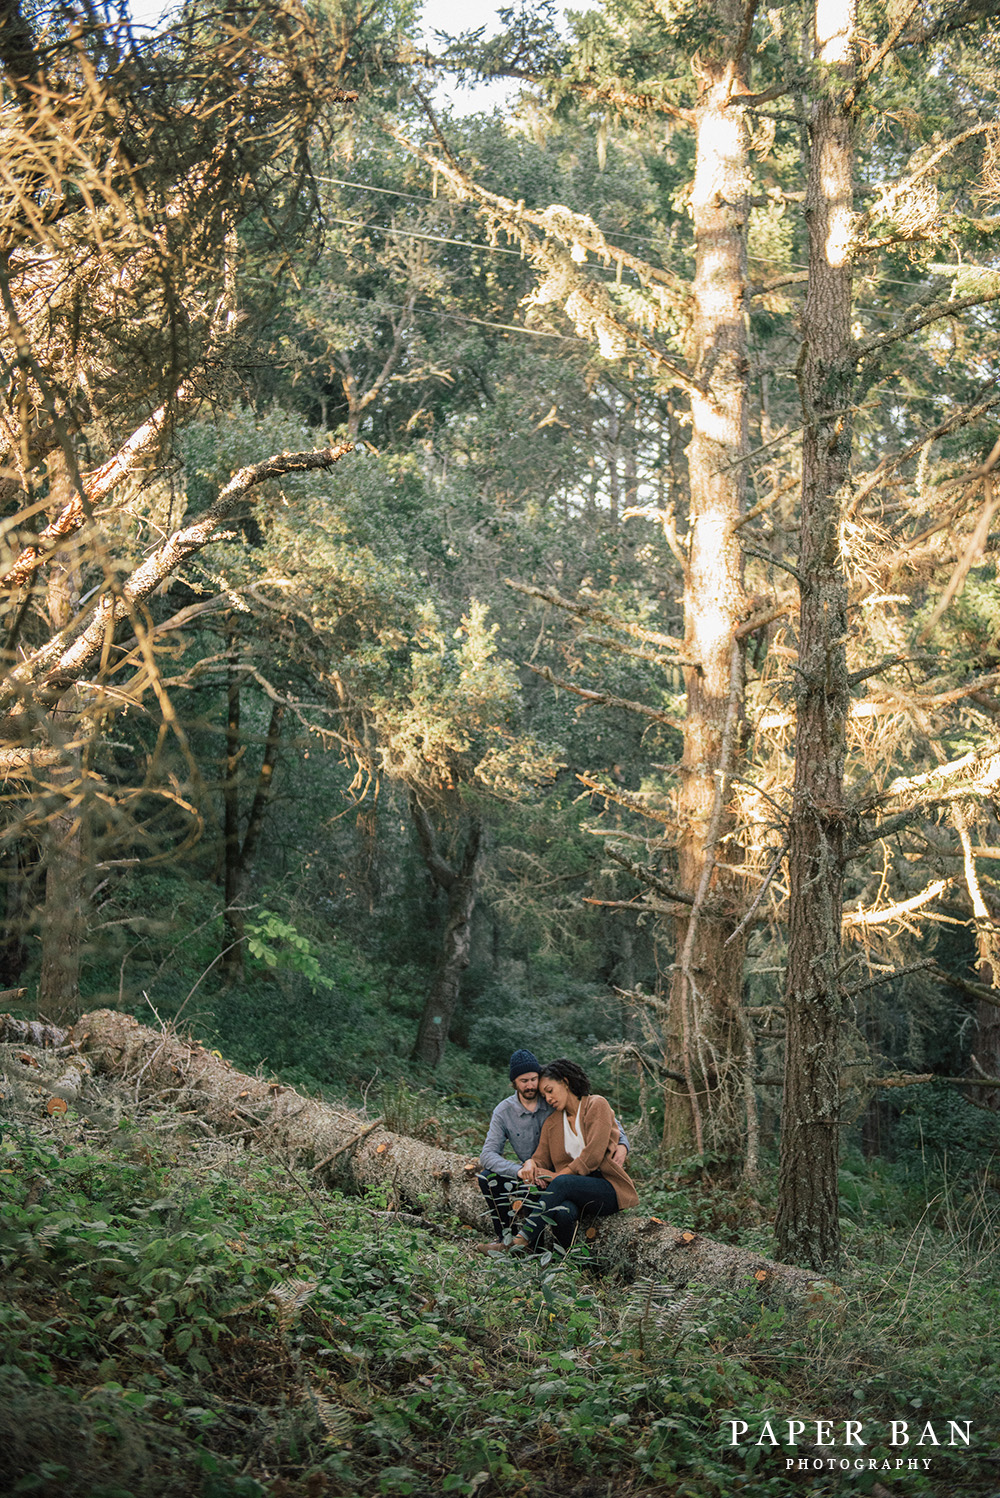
(71, 1080)
(341, 1149)
(28, 1031)
(337, 1147)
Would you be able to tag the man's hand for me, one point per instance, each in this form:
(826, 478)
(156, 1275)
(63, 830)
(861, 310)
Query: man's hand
(619, 1155)
(528, 1172)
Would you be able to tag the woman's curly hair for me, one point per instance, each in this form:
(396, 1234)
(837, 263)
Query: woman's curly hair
(567, 1072)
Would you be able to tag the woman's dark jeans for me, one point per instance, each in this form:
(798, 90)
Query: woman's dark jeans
(562, 1202)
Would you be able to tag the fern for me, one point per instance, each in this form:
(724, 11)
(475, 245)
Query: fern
(658, 1316)
(289, 1297)
(337, 1422)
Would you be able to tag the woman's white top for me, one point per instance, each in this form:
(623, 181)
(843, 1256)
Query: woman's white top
(574, 1140)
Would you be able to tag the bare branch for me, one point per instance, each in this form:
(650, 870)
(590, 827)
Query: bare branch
(605, 699)
(975, 772)
(963, 417)
(903, 1079)
(894, 703)
(906, 183)
(64, 658)
(917, 319)
(626, 798)
(765, 617)
(143, 442)
(537, 231)
(22, 763)
(602, 616)
(974, 990)
(561, 223)
(900, 972)
(856, 677)
(634, 651)
(875, 62)
(772, 561)
(742, 41)
(900, 910)
(772, 870)
(976, 543)
(647, 876)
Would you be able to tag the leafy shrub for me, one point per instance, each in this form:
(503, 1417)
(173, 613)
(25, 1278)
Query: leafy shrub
(936, 1124)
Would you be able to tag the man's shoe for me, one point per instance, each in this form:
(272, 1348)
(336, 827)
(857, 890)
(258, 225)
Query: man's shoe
(498, 1246)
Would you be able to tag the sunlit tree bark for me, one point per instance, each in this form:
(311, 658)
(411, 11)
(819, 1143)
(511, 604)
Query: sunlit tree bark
(706, 989)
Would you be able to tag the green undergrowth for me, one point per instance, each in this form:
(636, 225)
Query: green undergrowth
(178, 1317)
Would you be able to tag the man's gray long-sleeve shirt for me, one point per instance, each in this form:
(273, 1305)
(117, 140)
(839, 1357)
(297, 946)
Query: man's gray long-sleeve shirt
(514, 1124)
(520, 1127)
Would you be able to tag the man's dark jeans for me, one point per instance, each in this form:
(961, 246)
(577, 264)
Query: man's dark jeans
(500, 1192)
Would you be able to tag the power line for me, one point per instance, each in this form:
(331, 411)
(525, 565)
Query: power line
(499, 250)
(469, 244)
(503, 327)
(410, 197)
(389, 192)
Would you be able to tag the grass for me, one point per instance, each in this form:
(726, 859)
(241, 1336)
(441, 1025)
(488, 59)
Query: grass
(181, 1318)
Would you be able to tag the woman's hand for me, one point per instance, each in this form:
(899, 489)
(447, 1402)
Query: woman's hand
(534, 1175)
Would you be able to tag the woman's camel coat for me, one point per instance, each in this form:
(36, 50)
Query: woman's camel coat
(597, 1123)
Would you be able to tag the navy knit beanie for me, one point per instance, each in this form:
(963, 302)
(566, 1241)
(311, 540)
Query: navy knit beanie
(523, 1061)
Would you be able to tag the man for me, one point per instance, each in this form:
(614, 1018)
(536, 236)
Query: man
(517, 1121)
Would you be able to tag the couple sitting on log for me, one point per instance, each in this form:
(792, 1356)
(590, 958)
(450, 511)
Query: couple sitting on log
(571, 1153)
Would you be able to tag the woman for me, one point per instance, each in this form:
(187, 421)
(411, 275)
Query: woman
(573, 1161)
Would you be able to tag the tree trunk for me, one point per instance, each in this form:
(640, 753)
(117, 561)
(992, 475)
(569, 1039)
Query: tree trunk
(232, 920)
(706, 990)
(988, 1049)
(808, 1229)
(239, 854)
(369, 881)
(265, 790)
(459, 886)
(21, 871)
(614, 451)
(986, 1055)
(333, 1146)
(28, 1031)
(63, 918)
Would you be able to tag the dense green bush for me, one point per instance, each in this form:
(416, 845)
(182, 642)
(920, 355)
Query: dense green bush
(938, 1128)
